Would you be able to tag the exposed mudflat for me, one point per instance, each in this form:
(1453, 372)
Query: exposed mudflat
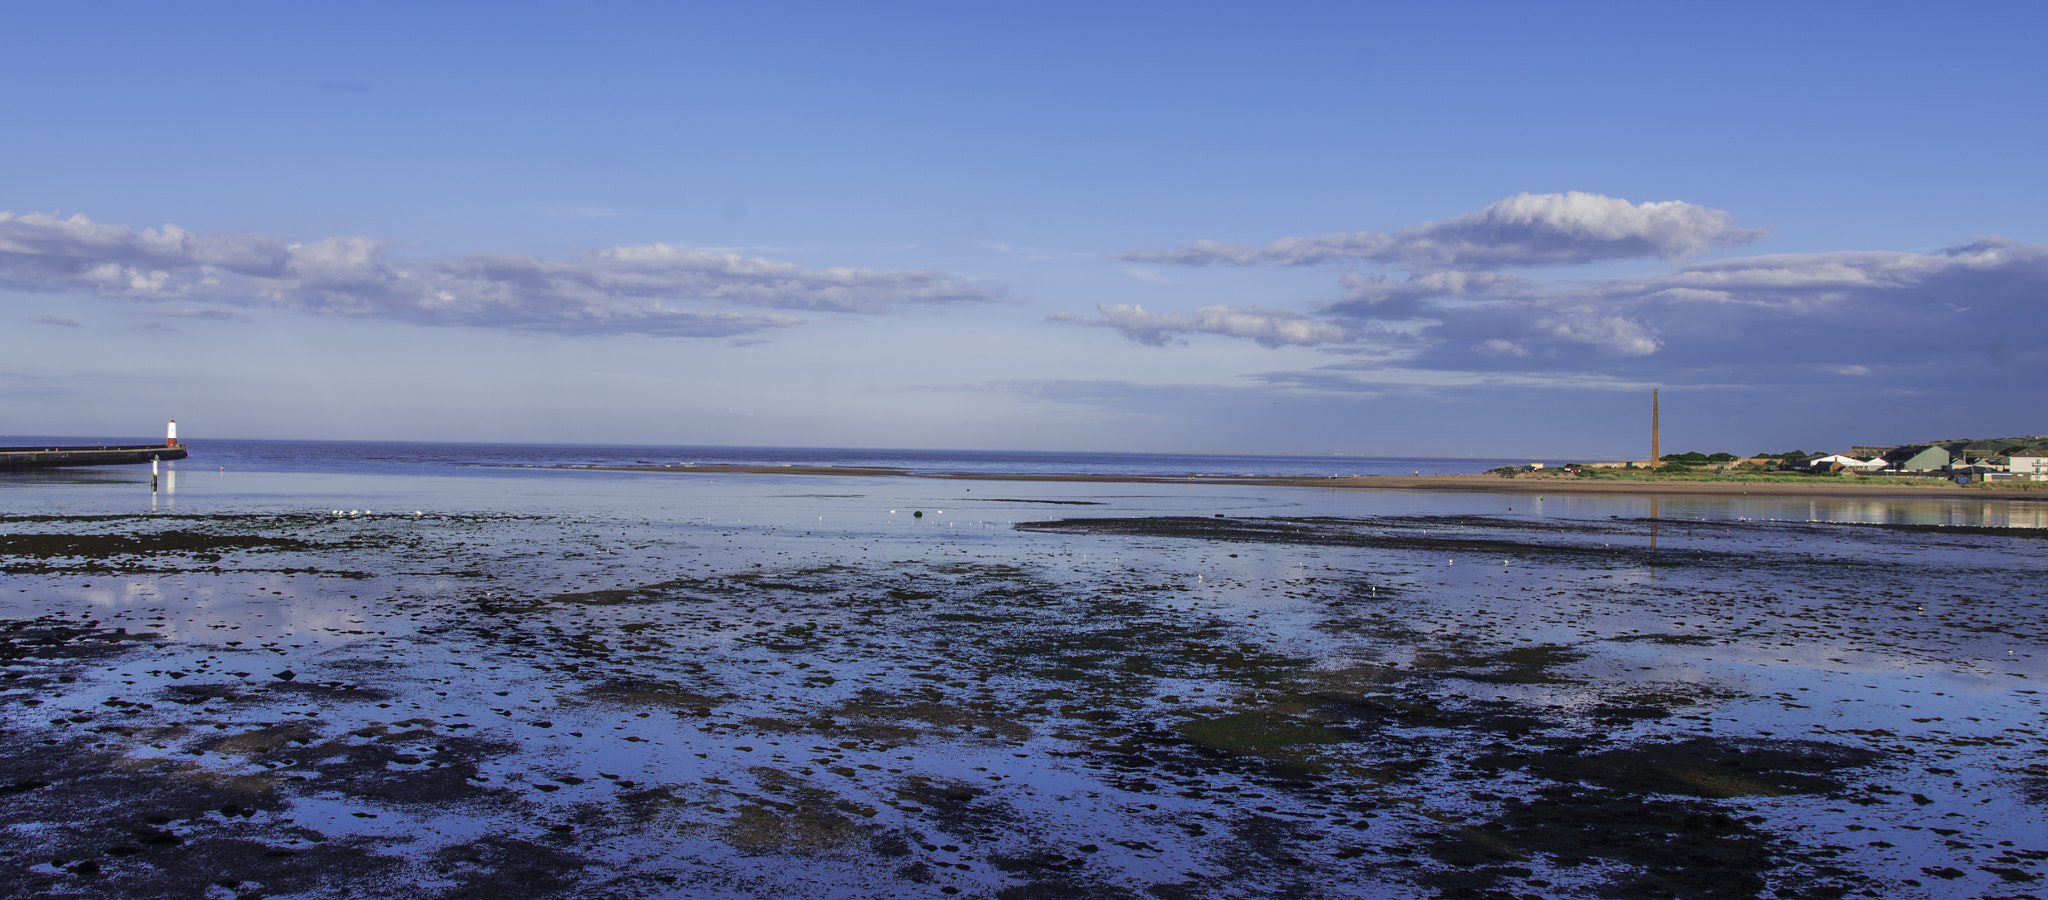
(1171, 706)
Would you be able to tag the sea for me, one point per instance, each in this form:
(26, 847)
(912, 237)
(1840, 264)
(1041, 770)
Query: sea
(348, 456)
(279, 475)
(339, 669)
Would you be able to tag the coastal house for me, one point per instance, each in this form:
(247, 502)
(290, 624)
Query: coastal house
(1837, 462)
(2031, 465)
(1918, 458)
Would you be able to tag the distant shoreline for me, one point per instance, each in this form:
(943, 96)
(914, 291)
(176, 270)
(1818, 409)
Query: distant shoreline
(1887, 488)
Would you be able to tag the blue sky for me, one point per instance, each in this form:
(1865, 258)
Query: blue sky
(1486, 229)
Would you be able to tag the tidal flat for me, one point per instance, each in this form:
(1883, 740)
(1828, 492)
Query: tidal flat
(816, 687)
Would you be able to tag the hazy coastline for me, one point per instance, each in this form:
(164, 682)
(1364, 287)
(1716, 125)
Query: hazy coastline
(1873, 488)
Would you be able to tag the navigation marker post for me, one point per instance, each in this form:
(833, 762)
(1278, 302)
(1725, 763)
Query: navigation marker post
(170, 440)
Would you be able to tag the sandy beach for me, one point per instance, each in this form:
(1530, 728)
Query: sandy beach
(1875, 488)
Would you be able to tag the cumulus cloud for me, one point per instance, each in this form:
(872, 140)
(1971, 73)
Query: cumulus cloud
(1844, 313)
(1523, 230)
(654, 289)
(1449, 306)
(1451, 264)
(1445, 304)
(1498, 347)
(1619, 334)
(1379, 297)
(1268, 327)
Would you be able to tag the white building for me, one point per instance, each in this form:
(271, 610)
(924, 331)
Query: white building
(1846, 462)
(2031, 465)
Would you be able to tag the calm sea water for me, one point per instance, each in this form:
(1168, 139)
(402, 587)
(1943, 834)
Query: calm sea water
(385, 456)
(297, 476)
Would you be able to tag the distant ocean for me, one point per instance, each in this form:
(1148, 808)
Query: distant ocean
(373, 456)
(228, 476)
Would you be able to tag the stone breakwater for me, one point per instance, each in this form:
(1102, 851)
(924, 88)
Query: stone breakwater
(61, 457)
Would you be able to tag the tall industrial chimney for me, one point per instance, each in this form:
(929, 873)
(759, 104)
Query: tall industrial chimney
(1656, 452)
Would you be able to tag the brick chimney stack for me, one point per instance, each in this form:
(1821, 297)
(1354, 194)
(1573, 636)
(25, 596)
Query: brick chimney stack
(1656, 452)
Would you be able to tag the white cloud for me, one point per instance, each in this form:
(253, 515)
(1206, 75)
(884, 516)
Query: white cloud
(653, 289)
(1523, 230)
(1834, 312)
(1379, 297)
(1793, 315)
(1618, 334)
(1268, 327)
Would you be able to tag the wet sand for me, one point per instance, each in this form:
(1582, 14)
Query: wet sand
(1003, 703)
(1876, 488)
